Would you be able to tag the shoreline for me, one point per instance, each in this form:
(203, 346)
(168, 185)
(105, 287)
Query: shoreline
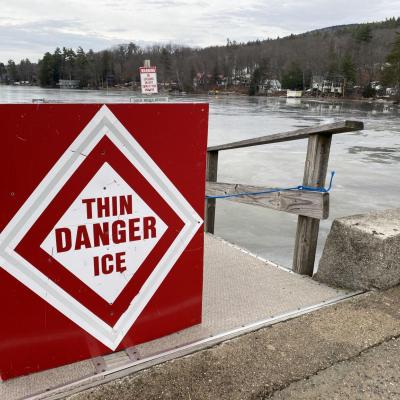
(134, 93)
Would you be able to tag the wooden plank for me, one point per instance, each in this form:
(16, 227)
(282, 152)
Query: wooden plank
(211, 176)
(315, 170)
(327, 129)
(311, 204)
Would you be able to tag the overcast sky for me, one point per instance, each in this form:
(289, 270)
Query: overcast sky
(28, 28)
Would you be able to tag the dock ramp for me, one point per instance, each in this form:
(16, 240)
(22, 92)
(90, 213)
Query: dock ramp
(242, 293)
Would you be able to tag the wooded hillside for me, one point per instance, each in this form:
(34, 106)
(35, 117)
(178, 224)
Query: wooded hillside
(358, 50)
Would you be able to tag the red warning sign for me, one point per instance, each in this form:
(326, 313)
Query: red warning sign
(148, 80)
(101, 242)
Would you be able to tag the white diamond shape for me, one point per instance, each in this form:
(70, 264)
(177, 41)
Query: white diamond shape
(104, 123)
(81, 262)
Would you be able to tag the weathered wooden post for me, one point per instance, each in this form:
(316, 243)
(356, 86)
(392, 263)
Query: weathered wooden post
(211, 176)
(315, 170)
(310, 206)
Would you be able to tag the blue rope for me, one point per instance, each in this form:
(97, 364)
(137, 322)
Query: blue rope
(300, 187)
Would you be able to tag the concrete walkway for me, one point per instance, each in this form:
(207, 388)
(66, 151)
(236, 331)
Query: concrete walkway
(345, 351)
(241, 293)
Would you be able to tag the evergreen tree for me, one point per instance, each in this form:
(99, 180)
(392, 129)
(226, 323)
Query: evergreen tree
(93, 69)
(363, 34)
(3, 72)
(391, 74)
(369, 91)
(256, 79)
(68, 64)
(348, 68)
(82, 68)
(46, 70)
(25, 70)
(121, 56)
(293, 78)
(107, 73)
(12, 71)
(57, 61)
(132, 49)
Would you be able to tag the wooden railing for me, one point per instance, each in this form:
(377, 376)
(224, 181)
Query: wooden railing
(309, 206)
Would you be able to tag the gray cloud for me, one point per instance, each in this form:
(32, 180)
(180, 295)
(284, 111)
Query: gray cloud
(33, 39)
(28, 28)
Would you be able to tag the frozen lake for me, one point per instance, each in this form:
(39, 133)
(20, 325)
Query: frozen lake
(367, 163)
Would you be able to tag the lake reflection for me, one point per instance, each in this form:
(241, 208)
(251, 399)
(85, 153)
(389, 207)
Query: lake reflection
(384, 155)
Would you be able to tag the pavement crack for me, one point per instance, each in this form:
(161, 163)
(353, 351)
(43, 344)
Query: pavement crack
(279, 388)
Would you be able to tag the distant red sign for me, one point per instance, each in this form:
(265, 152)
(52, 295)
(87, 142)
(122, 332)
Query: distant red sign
(101, 245)
(148, 80)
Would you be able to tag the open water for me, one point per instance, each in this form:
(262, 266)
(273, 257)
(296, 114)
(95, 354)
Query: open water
(367, 163)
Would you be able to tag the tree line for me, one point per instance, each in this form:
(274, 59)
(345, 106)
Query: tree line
(360, 53)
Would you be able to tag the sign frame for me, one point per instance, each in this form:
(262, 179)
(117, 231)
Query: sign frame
(13, 262)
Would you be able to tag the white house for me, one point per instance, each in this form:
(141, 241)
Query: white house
(68, 83)
(270, 86)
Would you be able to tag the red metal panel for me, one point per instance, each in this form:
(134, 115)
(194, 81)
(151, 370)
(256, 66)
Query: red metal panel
(101, 244)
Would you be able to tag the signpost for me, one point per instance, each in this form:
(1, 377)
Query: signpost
(148, 80)
(101, 245)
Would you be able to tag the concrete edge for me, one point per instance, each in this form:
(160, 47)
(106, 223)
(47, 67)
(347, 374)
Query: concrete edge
(172, 354)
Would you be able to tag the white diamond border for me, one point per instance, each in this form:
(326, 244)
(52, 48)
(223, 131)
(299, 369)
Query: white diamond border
(104, 123)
